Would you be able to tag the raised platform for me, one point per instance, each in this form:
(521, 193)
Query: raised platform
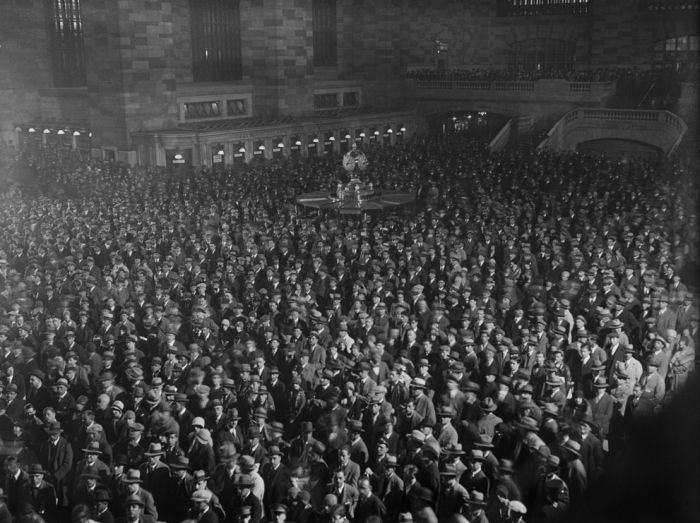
(387, 201)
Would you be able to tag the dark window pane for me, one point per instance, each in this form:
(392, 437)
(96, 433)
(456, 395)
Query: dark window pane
(216, 40)
(325, 34)
(68, 56)
(326, 101)
(235, 107)
(196, 110)
(350, 99)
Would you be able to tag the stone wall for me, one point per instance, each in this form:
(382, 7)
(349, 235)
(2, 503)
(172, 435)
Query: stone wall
(24, 63)
(138, 54)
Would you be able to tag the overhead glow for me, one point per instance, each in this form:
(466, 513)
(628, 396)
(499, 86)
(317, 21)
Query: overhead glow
(331, 139)
(76, 133)
(61, 132)
(347, 136)
(315, 140)
(241, 150)
(262, 147)
(298, 142)
(47, 131)
(31, 130)
(280, 145)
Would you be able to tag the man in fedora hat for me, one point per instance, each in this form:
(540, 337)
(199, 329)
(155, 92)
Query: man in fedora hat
(476, 507)
(358, 449)
(276, 476)
(507, 479)
(424, 405)
(653, 384)
(592, 455)
(453, 496)
(100, 509)
(452, 458)
(389, 486)
(57, 456)
(474, 478)
(133, 447)
(300, 447)
(134, 491)
(91, 464)
(86, 489)
(135, 511)
(574, 471)
(488, 421)
(232, 432)
(201, 507)
(156, 476)
(447, 434)
(602, 408)
(201, 447)
(40, 494)
(245, 497)
(180, 488)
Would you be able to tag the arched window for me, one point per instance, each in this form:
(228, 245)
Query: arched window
(67, 48)
(216, 40)
(541, 56)
(680, 54)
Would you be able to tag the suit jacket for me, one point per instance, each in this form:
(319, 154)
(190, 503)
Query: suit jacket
(359, 453)
(62, 461)
(665, 320)
(42, 498)
(425, 407)
(277, 484)
(143, 518)
(602, 410)
(477, 481)
(40, 398)
(348, 498)
(370, 506)
(15, 488)
(227, 436)
(156, 482)
(391, 494)
(352, 472)
(105, 517)
(452, 501)
(613, 359)
(208, 517)
(592, 456)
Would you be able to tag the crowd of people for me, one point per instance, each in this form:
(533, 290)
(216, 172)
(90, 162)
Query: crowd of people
(193, 346)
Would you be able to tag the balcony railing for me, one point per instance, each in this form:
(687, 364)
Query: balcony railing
(662, 129)
(541, 7)
(542, 88)
(655, 6)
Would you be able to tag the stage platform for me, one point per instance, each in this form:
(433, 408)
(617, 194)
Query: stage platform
(387, 201)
